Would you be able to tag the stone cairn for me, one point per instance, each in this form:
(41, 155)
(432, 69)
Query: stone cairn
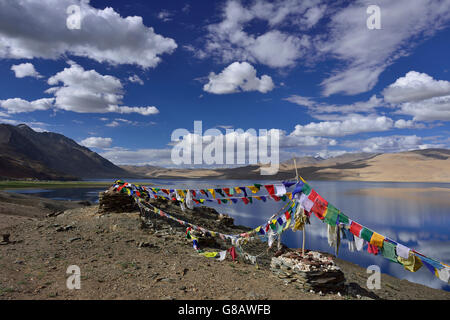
(112, 201)
(313, 271)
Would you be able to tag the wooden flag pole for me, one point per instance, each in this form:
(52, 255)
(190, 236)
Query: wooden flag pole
(304, 226)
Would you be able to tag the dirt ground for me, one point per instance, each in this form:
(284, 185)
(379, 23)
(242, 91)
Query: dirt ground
(120, 260)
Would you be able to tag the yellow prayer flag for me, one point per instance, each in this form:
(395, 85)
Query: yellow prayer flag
(377, 240)
(253, 188)
(181, 193)
(212, 192)
(412, 264)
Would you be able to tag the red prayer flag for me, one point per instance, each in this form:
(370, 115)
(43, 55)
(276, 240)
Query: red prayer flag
(313, 195)
(355, 228)
(232, 252)
(372, 249)
(319, 207)
(245, 200)
(288, 215)
(227, 191)
(270, 188)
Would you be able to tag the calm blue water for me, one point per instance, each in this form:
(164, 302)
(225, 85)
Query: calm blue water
(421, 222)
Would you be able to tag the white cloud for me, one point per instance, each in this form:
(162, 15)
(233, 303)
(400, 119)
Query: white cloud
(135, 79)
(352, 124)
(165, 15)
(238, 76)
(389, 144)
(353, 80)
(301, 101)
(90, 92)
(104, 35)
(228, 40)
(96, 142)
(316, 108)
(366, 53)
(415, 86)
(437, 108)
(419, 95)
(18, 105)
(408, 124)
(25, 70)
(113, 124)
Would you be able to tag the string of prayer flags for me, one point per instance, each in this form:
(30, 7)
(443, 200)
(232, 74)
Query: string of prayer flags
(357, 235)
(309, 201)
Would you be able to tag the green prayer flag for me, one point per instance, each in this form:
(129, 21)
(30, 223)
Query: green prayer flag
(343, 218)
(332, 214)
(366, 234)
(306, 189)
(389, 252)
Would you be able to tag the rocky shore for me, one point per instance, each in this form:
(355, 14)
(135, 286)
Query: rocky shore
(119, 258)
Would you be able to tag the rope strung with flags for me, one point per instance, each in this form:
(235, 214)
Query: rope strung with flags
(222, 195)
(237, 240)
(303, 201)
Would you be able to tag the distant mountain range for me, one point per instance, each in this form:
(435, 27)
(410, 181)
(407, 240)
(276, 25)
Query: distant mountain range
(430, 165)
(25, 153)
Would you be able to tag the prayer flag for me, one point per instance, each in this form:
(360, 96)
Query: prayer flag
(355, 228)
(332, 214)
(270, 188)
(377, 240)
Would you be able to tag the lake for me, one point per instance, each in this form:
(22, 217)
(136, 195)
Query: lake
(419, 219)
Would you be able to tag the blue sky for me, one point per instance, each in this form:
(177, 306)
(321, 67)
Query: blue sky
(311, 70)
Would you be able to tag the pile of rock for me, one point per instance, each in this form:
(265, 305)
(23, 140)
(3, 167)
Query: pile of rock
(111, 201)
(225, 220)
(313, 271)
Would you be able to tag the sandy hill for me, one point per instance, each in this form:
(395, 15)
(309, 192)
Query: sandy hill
(431, 165)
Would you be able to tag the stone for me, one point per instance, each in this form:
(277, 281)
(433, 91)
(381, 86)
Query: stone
(313, 271)
(116, 202)
(5, 237)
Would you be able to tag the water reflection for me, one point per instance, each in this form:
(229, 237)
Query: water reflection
(419, 222)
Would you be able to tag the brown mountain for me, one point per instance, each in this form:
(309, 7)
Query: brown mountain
(25, 153)
(432, 165)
